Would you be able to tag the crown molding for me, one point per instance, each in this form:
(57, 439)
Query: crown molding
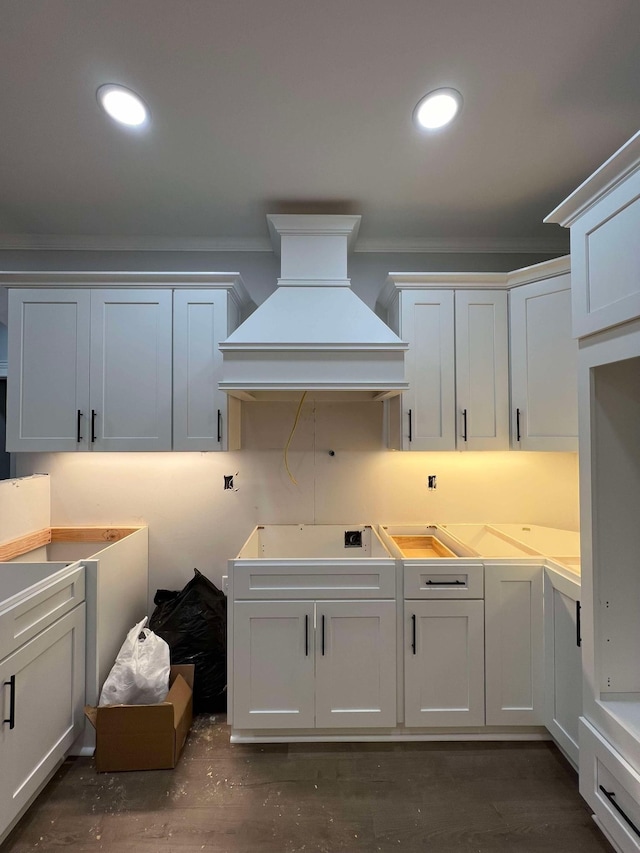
(518, 245)
(84, 243)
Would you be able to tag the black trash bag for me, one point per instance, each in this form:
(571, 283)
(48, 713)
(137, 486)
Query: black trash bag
(193, 622)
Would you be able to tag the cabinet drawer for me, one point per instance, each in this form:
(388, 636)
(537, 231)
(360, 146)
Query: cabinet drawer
(611, 787)
(21, 621)
(444, 580)
(306, 579)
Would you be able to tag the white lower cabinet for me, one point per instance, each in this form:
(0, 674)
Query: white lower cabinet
(444, 663)
(563, 660)
(306, 664)
(611, 786)
(42, 701)
(514, 644)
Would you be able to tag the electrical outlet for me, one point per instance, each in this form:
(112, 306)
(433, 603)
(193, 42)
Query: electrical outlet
(431, 481)
(353, 539)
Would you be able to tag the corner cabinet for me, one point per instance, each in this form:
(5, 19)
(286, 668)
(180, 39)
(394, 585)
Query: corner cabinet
(123, 368)
(544, 366)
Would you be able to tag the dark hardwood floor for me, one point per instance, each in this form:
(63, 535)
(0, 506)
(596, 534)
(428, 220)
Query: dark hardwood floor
(320, 798)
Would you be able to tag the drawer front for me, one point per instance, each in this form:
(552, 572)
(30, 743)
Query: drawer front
(28, 617)
(443, 580)
(305, 579)
(611, 787)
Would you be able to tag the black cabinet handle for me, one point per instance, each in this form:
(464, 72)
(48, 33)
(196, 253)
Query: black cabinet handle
(12, 702)
(323, 633)
(93, 425)
(306, 635)
(464, 419)
(219, 426)
(578, 632)
(444, 583)
(78, 434)
(413, 633)
(410, 430)
(517, 424)
(610, 795)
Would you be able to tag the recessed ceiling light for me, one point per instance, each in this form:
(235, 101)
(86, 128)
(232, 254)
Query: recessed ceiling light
(123, 105)
(437, 109)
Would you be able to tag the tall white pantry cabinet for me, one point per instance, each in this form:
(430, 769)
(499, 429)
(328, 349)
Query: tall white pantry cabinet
(119, 361)
(604, 217)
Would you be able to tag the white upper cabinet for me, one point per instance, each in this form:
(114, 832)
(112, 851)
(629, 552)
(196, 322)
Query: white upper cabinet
(200, 322)
(130, 380)
(121, 367)
(48, 381)
(457, 365)
(604, 217)
(544, 366)
(482, 370)
(89, 370)
(428, 408)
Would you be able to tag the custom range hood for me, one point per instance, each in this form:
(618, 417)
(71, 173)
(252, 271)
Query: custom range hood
(313, 334)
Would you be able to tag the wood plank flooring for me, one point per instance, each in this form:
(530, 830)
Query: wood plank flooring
(320, 798)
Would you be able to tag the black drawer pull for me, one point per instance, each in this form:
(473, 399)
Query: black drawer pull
(410, 430)
(12, 702)
(306, 635)
(413, 633)
(445, 583)
(219, 426)
(610, 795)
(93, 425)
(517, 424)
(464, 418)
(78, 434)
(578, 632)
(323, 633)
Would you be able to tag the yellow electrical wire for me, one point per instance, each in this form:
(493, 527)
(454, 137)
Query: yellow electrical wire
(293, 429)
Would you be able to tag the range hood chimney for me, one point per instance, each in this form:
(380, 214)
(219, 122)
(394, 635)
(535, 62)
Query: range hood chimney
(313, 334)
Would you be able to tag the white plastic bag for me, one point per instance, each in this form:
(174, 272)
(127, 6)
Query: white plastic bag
(140, 675)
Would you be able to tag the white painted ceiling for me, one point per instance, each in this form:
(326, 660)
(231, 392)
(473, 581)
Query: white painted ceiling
(263, 106)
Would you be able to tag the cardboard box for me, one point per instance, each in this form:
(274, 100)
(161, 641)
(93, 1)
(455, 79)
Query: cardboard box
(145, 737)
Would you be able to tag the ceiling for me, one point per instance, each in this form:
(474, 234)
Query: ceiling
(263, 106)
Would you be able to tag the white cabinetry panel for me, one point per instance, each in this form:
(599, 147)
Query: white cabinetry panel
(544, 365)
(46, 677)
(199, 408)
(513, 644)
(48, 379)
(444, 663)
(482, 370)
(356, 664)
(563, 660)
(131, 369)
(429, 405)
(273, 661)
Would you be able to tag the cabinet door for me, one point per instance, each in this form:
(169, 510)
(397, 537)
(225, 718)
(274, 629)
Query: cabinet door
(482, 370)
(199, 408)
(130, 370)
(513, 644)
(444, 663)
(563, 661)
(48, 700)
(273, 665)
(355, 663)
(544, 366)
(428, 407)
(48, 376)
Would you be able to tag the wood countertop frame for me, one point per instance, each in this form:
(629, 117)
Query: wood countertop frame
(36, 539)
